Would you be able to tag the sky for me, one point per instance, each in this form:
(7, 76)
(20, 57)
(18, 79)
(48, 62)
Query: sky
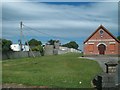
(64, 21)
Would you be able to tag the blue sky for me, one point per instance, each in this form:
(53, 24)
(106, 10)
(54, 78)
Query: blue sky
(65, 21)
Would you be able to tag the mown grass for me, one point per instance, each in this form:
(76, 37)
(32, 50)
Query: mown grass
(60, 71)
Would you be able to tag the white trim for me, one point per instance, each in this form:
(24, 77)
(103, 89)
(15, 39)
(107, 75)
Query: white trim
(90, 43)
(102, 43)
(112, 42)
(102, 40)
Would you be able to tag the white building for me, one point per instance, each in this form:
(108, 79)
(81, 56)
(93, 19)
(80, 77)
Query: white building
(16, 47)
(63, 50)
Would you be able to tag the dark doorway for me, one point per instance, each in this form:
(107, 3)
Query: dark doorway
(101, 49)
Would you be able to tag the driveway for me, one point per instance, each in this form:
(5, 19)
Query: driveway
(103, 59)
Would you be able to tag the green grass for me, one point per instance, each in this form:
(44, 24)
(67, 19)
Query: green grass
(60, 71)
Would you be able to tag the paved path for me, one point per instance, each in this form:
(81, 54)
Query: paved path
(102, 60)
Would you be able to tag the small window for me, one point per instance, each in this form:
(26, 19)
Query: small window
(101, 32)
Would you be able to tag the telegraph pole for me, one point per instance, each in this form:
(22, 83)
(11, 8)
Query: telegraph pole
(21, 26)
(21, 35)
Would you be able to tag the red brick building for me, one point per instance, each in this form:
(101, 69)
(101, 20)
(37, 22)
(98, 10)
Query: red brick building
(101, 42)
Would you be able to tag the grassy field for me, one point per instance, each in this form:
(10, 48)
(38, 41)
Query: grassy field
(60, 71)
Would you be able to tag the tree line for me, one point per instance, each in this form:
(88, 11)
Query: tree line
(36, 45)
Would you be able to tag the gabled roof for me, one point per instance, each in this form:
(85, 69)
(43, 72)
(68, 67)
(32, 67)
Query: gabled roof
(101, 27)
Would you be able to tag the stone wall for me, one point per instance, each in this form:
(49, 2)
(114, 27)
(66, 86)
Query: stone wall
(15, 55)
(48, 50)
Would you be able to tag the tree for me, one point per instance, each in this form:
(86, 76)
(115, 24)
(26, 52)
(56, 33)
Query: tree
(6, 45)
(71, 44)
(118, 37)
(51, 42)
(36, 45)
(34, 42)
(38, 48)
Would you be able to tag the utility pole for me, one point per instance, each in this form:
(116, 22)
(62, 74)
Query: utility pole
(22, 36)
(21, 26)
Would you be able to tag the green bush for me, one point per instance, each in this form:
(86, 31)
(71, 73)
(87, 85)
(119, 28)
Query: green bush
(6, 45)
(38, 48)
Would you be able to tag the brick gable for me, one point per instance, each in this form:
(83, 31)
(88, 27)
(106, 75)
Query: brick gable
(101, 42)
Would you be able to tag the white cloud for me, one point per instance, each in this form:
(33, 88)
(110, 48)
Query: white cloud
(60, 0)
(14, 0)
(59, 20)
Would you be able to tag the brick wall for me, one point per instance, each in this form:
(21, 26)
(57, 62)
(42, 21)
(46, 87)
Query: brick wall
(91, 46)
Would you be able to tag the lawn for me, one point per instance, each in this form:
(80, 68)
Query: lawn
(57, 71)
